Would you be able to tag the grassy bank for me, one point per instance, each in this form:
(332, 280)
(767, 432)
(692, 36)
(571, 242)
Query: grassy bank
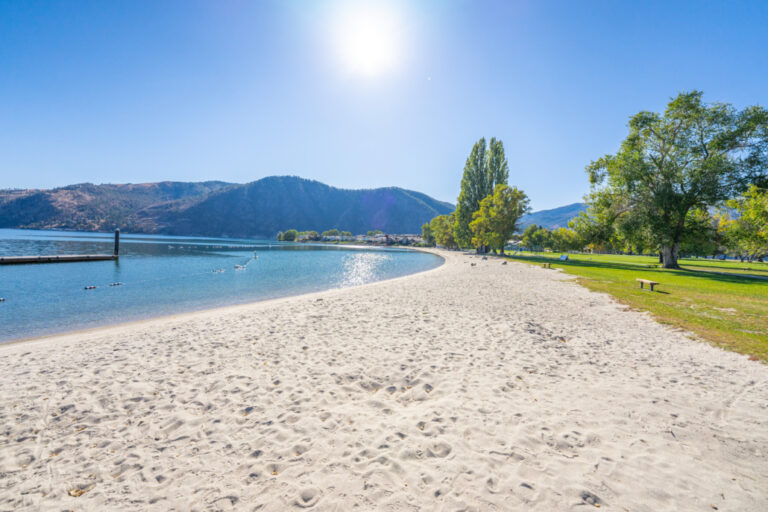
(720, 301)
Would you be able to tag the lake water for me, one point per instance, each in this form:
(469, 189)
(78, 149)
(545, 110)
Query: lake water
(162, 275)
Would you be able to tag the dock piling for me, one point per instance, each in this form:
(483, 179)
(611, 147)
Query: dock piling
(61, 258)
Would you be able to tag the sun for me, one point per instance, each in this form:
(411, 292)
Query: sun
(368, 38)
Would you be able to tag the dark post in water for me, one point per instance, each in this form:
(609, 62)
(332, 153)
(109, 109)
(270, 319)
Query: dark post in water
(117, 241)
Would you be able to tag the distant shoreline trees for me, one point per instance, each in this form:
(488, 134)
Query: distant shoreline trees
(337, 236)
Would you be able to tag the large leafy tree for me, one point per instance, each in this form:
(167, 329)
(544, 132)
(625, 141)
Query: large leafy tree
(496, 219)
(427, 235)
(442, 231)
(564, 239)
(535, 237)
(595, 229)
(701, 236)
(693, 156)
(748, 234)
(485, 168)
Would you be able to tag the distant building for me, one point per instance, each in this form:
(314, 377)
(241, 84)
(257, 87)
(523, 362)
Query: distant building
(406, 239)
(338, 238)
(379, 239)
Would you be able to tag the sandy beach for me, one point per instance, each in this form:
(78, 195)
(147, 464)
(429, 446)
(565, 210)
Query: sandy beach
(486, 387)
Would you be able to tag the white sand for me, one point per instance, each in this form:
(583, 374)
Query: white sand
(493, 387)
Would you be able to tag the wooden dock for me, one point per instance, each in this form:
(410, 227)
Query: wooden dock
(17, 260)
(63, 258)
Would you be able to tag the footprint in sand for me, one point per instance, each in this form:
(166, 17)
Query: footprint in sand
(591, 499)
(308, 498)
(439, 450)
(225, 503)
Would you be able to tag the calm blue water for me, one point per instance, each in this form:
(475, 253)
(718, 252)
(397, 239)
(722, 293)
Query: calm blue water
(164, 275)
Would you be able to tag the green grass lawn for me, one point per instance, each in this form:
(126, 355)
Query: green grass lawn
(728, 308)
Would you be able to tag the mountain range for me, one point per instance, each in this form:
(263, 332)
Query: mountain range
(554, 218)
(216, 208)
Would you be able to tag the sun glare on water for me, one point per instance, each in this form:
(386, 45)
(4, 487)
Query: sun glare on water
(368, 38)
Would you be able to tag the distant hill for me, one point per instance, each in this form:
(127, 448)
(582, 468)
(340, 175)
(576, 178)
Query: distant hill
(89, 207)
(260, 208)
(554, 218)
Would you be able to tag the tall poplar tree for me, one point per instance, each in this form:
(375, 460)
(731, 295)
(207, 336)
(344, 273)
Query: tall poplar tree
(485, 168)
(497, 166)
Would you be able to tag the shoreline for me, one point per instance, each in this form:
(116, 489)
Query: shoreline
(195, 312)
(475, 385)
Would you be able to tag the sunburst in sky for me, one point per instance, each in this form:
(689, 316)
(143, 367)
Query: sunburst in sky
(368, 37)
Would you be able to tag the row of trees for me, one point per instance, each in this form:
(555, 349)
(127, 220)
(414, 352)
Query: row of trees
(690, 180)
(488, 209)
(539, 238)
(740, 229)
(737, 228)
(293, 234)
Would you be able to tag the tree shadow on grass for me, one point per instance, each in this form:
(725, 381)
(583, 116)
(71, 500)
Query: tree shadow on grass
(659, 273)
(750, 278)
(693, 263)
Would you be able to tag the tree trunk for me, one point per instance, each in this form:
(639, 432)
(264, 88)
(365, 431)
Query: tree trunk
(669, 255)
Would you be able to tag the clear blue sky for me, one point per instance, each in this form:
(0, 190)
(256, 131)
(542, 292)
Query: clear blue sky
(133, 91)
